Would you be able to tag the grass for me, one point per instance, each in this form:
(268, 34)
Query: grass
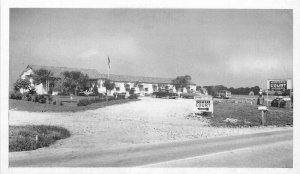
(68, 105)
(23, 138)
(248, 115)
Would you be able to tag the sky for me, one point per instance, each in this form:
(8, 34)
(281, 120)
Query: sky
(235, 48)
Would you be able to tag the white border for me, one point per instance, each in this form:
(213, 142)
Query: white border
(212, 4)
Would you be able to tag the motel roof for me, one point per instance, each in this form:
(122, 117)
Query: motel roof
(94, 74)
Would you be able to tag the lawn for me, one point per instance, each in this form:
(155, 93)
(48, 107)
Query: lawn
(68, 105)
(24, 138)
(248, 115)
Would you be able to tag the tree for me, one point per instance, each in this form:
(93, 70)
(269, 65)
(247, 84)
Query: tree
(182, 81)
(109, 85)
(42, 76)
(198, 88)
(251, 94)
(255, 89)
(95, 89)
(22, 84)
(74, 81)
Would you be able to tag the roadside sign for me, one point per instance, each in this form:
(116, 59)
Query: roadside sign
(278, 85)
(262, 108)
(203, 103)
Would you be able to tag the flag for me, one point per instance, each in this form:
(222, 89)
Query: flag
(108, 62)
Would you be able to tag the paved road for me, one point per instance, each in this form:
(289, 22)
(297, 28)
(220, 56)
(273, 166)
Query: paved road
(270, 149)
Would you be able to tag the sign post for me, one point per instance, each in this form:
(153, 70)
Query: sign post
(263, 110)
(203, 103)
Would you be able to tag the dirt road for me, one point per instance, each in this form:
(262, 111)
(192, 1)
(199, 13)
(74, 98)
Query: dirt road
(150, 120)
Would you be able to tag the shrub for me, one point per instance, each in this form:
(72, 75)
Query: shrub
(92, 94)
(22, 138)
(95, 89)
(63, 94)
(110, 98)
(88, 101)
(32, 91)
(132, 90)
(278, 103)
(83, 102)
(133, 96)
(41, 99)
(26, 96)
(49, 98)
(15, 95)
(22, 84)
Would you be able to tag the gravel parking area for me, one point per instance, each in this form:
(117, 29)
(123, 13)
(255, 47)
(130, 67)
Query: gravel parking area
(150, 120)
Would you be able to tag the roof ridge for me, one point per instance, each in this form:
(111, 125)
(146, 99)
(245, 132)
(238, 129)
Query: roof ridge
(97, 74)
(141, 76)
(62, 67)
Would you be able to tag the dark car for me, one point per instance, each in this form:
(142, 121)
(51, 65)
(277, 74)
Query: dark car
(167, 94)
(189, 95)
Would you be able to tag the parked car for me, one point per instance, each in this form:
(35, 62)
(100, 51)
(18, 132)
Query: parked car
(189, 95)
(167, 94)
(223, 94)
(86, 94)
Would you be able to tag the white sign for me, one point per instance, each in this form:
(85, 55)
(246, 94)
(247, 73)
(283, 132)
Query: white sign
(262, 108)
(203, 103)
(279, 84)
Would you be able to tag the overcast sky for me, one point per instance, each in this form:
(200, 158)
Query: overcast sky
(235, 48)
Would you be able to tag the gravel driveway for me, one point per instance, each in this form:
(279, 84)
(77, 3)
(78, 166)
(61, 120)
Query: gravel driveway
(150, 120)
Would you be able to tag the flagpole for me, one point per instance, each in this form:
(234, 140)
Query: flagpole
(108, 73)
(108, 67)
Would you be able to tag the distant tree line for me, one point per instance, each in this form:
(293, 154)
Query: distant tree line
(212, 90)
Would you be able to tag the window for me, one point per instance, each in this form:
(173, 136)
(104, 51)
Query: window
(117, 88)
(146, 89)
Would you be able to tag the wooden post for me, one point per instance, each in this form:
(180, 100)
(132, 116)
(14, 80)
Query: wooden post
(263, 118)
(290, 98)
(36, 139)
(267, 97)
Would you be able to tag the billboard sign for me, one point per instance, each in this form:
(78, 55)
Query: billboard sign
(279, 85)
(203, 103)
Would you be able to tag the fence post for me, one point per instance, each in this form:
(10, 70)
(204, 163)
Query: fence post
(36, 139)
(263, 118)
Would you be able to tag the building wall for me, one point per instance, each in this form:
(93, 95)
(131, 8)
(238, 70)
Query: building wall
(146, 89)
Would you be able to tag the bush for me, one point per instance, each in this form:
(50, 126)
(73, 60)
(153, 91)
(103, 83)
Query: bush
(132, 90)
(26, 96)
(110, 98)
(41, 98)
(278, 103)
(95, 89)
(133, 96)
(92, 94)
(22, 84)
(63, 94)
(32, 91)
(15, 95)
(84, 102)
(88, 101)
(22, 138)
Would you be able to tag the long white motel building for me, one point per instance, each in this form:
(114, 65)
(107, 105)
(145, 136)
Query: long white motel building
(123, 83)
